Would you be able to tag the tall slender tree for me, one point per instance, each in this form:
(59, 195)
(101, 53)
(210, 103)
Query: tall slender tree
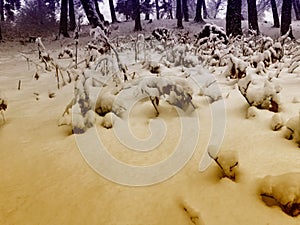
(296, 6)
(1, 38)
(112, 11)
(137, 16)
(286, 17)
(63, 23)
(198, 17)
(72, 24)
(157, 9)
(205, 14)
(89, 10)
(234, 17)
(179, 14)
(1, 10)
(147, 5)
(185, 10)
(100, 15)
(252, 16)
(275, 14)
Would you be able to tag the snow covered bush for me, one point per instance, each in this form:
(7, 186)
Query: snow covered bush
(283, 191)
(108, 120)
(3, 105)
(161, 33)
(236, 68)
(211, 32)
(292, 131)
(226, 160)
(262, 94)
(276, 122)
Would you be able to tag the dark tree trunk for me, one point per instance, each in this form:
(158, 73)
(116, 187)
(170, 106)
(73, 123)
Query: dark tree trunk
(147, 4)
(286, 17)
(179, 14)
(296, 6)
(275, 14)
(40, 10)
(72, 24)
(205, 14)
(137, 16)
(91, 14)
(185, 10)
(252, 16)
(112, 11)
(63, 23)
(157, 9)
(100, 15)
(1, 10)
(233, 18)
(198, 17)
(1, 38)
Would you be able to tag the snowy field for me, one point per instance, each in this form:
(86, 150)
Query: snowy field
(46, 171)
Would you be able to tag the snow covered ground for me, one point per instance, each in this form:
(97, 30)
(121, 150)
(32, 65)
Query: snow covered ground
(46, 180)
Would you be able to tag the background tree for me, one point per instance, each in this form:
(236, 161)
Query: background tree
(89, 10)
(198, 17)
(1, 10)
(63, 24)
(72, 24)
(179, 14)
(233, 17)
(205, 14)
(125, 7)
(112, 11)
(214, 7)
(146, 8)
(137, 16)
(1, 38)
(286, 17)
(157, 9)
(252, 16)
(100, 15)
(296, 6)
(185, 10)
(275, 14)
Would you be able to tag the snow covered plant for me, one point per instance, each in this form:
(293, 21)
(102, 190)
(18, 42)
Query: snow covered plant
(236, 68)
(3, 105)
(66, 51)
(283, 191)
(78, 112)
(177, 90)
(262, 94)
(292, 131)
(211, 33)
(226, 160)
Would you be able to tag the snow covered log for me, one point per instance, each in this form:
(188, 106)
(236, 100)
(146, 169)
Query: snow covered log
(283, 191)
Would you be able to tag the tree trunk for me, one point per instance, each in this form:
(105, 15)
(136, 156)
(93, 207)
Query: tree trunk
(198, 17)
(179, 14)
(252, 16)
(296, 6)
(1, 10)
(147, 4)
(72, 24)
(1, 38)
(40, 10)
(286, 17)
(185, 10)
(137, 16)
(63, 23)
(100, 15)
(91, 14)
(112, 11)
(205, 14)
(157, 9)
(233, 18)
(275, 14)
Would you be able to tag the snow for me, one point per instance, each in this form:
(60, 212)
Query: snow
(45, 179)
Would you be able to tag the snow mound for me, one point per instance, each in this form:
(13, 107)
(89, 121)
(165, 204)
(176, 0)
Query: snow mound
(276, 122)
(284, 190)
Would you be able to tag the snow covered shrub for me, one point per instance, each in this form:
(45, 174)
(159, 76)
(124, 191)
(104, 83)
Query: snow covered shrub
(212, 31)
(108, 120)
(66, 51)
(226, 160)
(251, 112)
(236, 68)
(292, 131)
(283, 191)
(263, 94)
(161, 33)
(276, 122)
(3, 105)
